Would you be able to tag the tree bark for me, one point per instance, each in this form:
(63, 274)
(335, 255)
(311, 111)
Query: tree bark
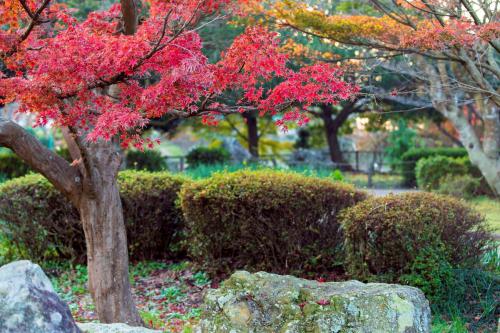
(486, 159)
(252, 134)
(95, 193)
(484, 155)
(107, 256)
(103, 224)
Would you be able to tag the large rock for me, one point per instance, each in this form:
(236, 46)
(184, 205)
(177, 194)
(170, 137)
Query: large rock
(113, 328)
(29, 304)
(265, 303)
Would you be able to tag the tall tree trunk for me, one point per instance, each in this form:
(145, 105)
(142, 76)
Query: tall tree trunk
(102, 218)
(331, 131)
(252, 134)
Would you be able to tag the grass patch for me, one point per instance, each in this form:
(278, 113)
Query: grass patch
(356, 179)
(490, 208)
(457, 325)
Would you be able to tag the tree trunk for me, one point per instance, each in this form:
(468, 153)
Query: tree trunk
(484, 156)
(107, 255)
(252, 134)
(103, 224)
(331, 132)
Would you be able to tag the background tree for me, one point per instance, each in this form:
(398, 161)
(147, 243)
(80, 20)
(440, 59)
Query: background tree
(450, 48)
(90, 78)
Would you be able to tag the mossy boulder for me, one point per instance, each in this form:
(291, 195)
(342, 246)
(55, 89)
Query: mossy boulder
(269, 303)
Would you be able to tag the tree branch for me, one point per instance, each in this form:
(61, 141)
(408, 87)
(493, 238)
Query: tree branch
(56, 169)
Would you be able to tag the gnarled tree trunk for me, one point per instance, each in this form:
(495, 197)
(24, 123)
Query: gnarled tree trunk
(107, 256)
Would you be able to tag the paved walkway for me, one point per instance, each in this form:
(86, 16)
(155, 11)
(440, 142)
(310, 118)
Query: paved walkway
(382, 192)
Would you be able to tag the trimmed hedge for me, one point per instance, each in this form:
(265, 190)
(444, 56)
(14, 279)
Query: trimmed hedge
(385, 235)
(431, 170)
(207, 156)
(266, 220)
(150, 160)
(43, 224)
(411, 157)
(39, 220)
(154, 221)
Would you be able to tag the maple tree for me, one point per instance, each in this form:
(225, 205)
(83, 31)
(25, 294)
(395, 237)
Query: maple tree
(103, 79)
(450, 48)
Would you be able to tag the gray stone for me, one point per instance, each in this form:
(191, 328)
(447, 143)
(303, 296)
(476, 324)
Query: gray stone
(29, 304)
(113, 328)
(265, 303)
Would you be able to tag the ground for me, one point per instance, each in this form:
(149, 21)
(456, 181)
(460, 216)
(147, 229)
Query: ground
(491, 209)
(168, 295)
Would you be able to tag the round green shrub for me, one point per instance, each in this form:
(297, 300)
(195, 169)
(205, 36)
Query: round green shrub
(459, 186)
(384, 235)
(431, 170)
(266, 220)
(207, 156)
(44, 225)
(411, 157)
(150, 160)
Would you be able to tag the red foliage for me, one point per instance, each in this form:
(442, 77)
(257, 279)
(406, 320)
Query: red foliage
(89, 76)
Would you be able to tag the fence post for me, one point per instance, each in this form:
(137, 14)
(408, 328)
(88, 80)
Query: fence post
(357, 160)
(370, 175)
(181, 164)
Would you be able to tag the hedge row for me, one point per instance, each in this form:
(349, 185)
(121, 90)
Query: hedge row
(257, 220)
(43, 224)
(451, 176)
(412, 156)
(384, 236)
(429, 171)
(266, 220)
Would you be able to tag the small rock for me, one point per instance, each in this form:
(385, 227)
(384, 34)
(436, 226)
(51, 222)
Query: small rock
(113, 328)
(269, 303)
(28, 302)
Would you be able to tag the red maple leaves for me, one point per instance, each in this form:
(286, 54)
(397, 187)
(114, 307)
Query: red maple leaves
(89, 76)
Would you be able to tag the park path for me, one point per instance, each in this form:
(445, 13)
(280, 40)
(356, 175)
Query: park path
(382, 192)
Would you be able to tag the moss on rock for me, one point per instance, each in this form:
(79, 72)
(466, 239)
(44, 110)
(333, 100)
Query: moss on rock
(269, 303)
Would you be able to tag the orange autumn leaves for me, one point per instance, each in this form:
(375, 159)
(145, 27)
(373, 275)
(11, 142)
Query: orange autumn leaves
(383, 31)
(10, 11)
